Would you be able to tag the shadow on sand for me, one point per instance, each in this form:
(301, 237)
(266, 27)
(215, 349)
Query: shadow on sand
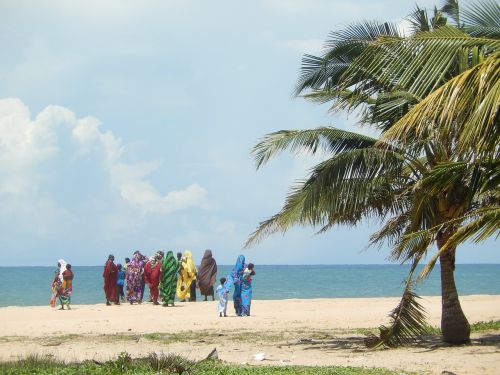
(357, 343)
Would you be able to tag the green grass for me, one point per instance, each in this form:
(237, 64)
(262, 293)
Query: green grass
(492, 325)
(170, 364)
(478, 327)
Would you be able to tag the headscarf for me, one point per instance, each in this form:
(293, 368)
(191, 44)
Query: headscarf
(240, 265)
(169, 263)
(207, 272)
(235, 274)
(189, 263)
(62, 268)
(152, 261)
(138, 260)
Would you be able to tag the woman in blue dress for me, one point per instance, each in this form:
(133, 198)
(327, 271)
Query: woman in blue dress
(234, 278)
(246, 289)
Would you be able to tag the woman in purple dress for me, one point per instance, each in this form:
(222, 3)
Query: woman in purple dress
(134, 272)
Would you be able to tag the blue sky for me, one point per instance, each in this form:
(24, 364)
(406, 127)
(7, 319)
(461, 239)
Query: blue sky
(127, 125)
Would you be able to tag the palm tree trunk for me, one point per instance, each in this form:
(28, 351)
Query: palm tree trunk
(454, 325)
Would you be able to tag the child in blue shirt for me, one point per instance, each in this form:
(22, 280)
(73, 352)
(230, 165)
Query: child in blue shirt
(222, 292)
(120, 281)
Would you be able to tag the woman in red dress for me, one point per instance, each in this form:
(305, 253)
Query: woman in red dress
(110, 275)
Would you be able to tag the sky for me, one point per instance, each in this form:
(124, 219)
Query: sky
(127, 125)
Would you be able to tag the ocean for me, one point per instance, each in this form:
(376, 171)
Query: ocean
(30, 286)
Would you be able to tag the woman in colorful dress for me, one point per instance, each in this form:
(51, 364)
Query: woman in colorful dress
(169, 269)
(66, 288)
(134, 276)
(187, 277)
(207, 275)
(55, 286)
(246, 289)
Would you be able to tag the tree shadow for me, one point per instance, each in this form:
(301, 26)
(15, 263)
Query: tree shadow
(357, 343)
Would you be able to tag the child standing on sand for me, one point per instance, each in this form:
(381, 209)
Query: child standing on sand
(120, 281)
(222, 292)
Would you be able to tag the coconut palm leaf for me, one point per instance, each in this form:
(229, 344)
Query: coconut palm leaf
(482, 18)
(452, 10)
(419, 20)
(418, 64)
(341, 190)
(325, 139)
(407, 322)
(485, 224)
(467, 106)
(391, 231)
(341, 48)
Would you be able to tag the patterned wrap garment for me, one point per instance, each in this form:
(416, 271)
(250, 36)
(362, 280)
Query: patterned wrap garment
(169, 273)
(133, 275)
(246, 292)
(66, 287)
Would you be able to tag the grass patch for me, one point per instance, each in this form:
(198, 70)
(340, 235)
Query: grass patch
(478, 327)
(171, 364)
(492, 325)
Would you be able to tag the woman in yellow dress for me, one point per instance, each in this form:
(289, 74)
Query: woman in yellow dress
(187, 277)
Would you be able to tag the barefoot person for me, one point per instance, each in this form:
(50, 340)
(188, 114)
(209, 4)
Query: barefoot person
(169, 274)
(110, 275)
(246, 289)
(222, 293)
(207, 274)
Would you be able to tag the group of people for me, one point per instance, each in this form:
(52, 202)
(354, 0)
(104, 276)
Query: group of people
(241, 278)
(166, 276)
(62, 285)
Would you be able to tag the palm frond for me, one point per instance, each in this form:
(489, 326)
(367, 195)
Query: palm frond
(391, 231)
(467, 106)
(480, 225)
(482, 18)
(452, 10)
(341, 190)
(407, 323)
(419, 21)
(388, 107)
(418, 64)
(341, 48)
(327, 139)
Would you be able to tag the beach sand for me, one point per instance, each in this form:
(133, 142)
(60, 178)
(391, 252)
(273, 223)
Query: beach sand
(290, 332)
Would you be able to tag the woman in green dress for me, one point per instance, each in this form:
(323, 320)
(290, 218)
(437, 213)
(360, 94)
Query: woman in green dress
(169, 273)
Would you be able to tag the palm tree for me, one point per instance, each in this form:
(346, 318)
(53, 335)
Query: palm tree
(430, 176)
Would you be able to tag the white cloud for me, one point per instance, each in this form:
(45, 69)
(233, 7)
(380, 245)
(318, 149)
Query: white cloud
(31, 147)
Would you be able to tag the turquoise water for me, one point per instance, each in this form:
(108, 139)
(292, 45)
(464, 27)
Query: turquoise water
(27, 286)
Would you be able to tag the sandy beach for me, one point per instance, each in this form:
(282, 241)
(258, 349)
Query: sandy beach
(305, 332)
